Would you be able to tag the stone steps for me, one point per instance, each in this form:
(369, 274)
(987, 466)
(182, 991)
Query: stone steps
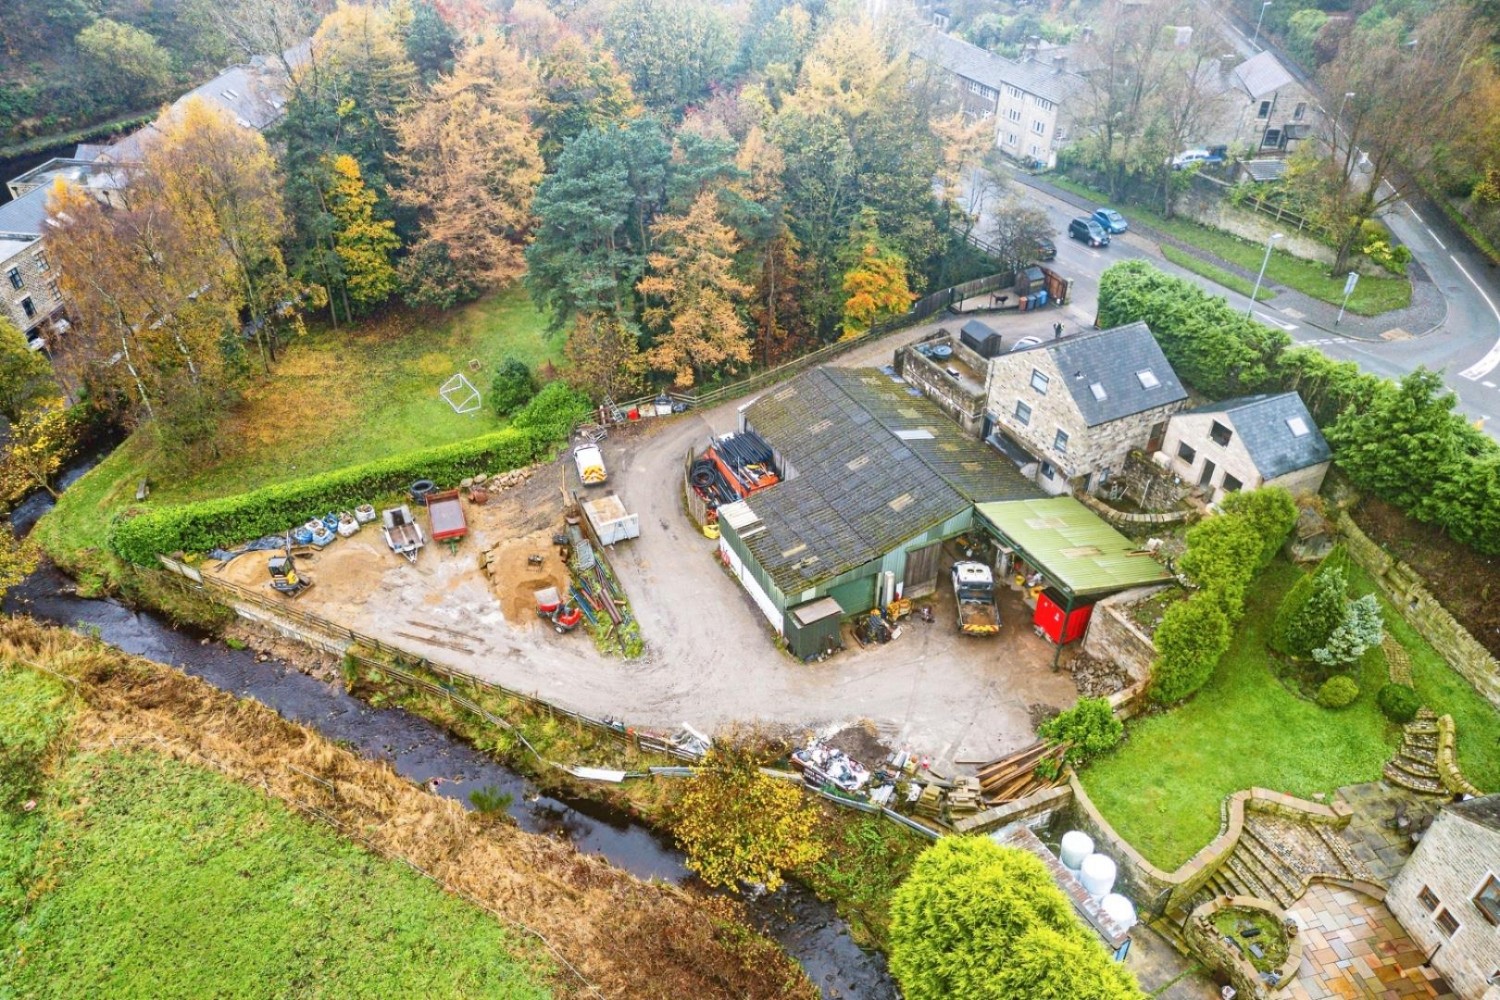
(1272, 861)
(1426, 786)
(1355, 868)
(1414, 767)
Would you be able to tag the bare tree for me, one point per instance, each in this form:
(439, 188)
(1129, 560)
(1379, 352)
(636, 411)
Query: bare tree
(1018, 232)
(1409, 98)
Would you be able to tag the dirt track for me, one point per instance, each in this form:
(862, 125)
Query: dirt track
(710, 656)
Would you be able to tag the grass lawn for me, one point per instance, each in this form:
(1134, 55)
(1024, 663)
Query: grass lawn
(1372, 297)
(337, 397)
(1215, 274)
(138, 875)
(1162, 788)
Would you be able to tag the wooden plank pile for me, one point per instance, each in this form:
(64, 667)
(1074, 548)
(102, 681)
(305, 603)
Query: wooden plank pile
(930, 802)
(963, 798)
(1015, 776)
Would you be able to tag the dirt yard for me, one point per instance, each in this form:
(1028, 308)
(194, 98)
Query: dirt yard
(711, 657)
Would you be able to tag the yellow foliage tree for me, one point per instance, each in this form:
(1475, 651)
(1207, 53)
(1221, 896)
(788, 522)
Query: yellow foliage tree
(469, 154)
(35, 450)
(875, 288)
(693, 296)
(362, 242)
(739, 825)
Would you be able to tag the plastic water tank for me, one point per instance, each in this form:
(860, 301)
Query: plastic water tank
(1076, 845)
(1119, 909)
(1097, 873)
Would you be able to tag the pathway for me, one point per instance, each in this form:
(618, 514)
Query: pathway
(1354, 948)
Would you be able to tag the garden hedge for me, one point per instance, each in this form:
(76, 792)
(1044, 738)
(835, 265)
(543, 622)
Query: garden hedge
(227, 521)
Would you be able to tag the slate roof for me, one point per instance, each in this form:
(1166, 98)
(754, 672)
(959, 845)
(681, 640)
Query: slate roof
(1262, 424)
(973, 63)
(1484, 810)
(1261, 75)
(875, 464)
(1113, 360)
(25, 216)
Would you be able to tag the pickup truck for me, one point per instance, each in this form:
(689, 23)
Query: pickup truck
(974, 590)
(590, 464)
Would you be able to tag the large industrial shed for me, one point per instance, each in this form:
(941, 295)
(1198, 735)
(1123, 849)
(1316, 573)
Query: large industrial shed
(874, 479)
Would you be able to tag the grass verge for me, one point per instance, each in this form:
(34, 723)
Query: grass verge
(1214, 273)
(1373, 296)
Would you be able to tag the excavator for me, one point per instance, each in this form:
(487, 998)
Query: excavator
(284, 576)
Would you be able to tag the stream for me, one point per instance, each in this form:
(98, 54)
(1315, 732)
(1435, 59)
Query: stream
(809, 929)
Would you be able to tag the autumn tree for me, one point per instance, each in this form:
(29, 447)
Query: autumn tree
(738, 825)
(692, 295)
(429, 41)
(604, 356)
(581, 88)
(35, 447)
(1017, 232)
(125, 58)
(219, 179)
(360, 269)
(781, 327)
(471, 166)
(25, 376)
(875, 285)
(1412, 97)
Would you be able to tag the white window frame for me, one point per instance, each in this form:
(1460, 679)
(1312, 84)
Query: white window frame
(1038, 376)
(1040, 128)
(1023, 418)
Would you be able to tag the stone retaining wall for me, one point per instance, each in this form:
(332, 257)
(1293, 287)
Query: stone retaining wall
(1033, 810)
(1402, 586)
(1107, 512)
(1157, 891)
(1114, 637)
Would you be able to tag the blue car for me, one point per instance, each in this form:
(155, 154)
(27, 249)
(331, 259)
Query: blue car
(1112, 221)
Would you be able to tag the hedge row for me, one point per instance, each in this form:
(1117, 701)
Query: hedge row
(228, 521)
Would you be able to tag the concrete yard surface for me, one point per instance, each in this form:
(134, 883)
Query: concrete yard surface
(710, 658)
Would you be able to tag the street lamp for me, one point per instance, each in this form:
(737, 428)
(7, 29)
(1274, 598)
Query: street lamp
(1340, 116)
(1258, 278)
(1262, 17)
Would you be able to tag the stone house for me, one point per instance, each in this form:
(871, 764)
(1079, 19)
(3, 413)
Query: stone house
(28, 283)
(1272, 111)
(1069, 411)
(1447, 896)
(1247, 443)
(1027, 101)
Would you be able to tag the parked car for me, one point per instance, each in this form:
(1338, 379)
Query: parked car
(1046, 249)
(1112, 221)
(1086, 230)
(1206, 157)
(1026, 342)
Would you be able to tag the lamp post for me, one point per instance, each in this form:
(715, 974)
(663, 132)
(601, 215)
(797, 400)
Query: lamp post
(1258, 278)
(1258, 20)
(1340, 116)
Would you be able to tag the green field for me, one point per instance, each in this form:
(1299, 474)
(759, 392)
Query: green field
(1162, 788)
(337, 397)
(1373, 296)
(1216, 274)
(136, 875)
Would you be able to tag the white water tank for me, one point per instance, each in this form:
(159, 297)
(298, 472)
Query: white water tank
(1120, 910)
(1097, 873)
(1076, 845)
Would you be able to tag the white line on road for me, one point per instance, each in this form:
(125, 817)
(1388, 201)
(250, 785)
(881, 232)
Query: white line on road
(1486, 364)
(1488, 385)
(1288, 327)
(1435, 237)
(1414, 215)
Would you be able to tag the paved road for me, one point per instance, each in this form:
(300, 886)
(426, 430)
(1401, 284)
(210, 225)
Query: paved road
(1454, 324)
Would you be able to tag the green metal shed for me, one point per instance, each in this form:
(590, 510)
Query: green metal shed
(813, 628)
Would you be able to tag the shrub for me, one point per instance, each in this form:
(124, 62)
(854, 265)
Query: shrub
(1360, 629)
(1338, 691)
(1221, 558)
(1090, 726)
(197, 527)
(1271, 513)
(974, 919)
(1309, 613)
(513, 387)
(1398, 702)
(553, 412)
(1191, 639)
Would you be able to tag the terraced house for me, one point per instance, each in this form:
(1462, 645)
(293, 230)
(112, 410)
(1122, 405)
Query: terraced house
(1027, 101)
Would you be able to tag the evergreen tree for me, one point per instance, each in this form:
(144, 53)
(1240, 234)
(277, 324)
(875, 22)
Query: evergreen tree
(362, 242)
(1310, 612)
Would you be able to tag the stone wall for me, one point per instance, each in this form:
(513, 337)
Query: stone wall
(1452, 861)
(1156, 891)
(1402, 586)
(964, 408)
(1114, 638)
(1113, 516)
(1033, 810)
(38, 283)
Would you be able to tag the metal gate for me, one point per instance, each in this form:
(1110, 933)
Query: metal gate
(922, 570)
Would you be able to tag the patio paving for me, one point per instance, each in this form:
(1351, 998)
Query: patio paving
(1372, 837)
(1354, 948)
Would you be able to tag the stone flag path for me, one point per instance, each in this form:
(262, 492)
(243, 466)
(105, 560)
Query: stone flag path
(1354, 948)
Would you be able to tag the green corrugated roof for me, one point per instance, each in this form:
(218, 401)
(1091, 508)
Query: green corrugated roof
(1073, 546)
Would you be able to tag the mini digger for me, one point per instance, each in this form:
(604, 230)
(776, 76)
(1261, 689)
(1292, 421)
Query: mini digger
(284, 576)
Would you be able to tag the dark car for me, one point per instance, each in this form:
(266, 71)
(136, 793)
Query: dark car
(1112, 221)
(1088, 231)
(1046, 249)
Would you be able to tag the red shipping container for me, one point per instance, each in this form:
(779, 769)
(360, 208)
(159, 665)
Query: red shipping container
(1052, 617)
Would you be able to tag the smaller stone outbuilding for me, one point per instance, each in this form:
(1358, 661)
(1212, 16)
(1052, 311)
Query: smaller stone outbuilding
(1068, 412)
(1447, 896)
(1247, 443)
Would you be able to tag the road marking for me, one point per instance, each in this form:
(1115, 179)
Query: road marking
(1414, 214)
(1486, 364)
(1435, 236)
(1488, 385)
(1288, 327)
